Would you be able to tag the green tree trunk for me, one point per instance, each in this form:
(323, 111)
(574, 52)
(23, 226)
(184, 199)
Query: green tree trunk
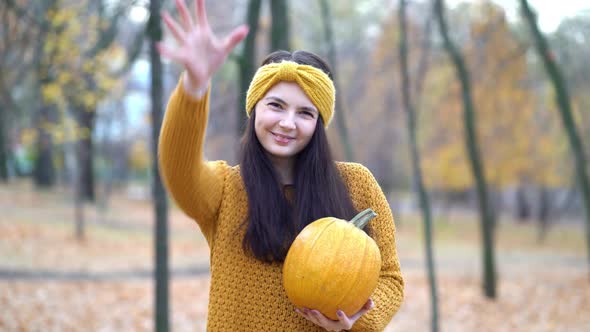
(523, 211)
(3, 146)
(15, 63)
(85, 152)
(477, 167)
(339, 116)
(415, 155)
(543, 215)
(563, 103)
(247, 61)
(43, 168)
(279, 34)
(80, 224)
(162, 311)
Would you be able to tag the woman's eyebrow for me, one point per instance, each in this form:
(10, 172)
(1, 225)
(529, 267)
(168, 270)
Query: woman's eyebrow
(277, 99)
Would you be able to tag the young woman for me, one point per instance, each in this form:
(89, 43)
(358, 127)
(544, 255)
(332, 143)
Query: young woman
(251, 213)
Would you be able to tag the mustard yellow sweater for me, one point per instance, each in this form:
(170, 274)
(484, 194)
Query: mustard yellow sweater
(246, 294)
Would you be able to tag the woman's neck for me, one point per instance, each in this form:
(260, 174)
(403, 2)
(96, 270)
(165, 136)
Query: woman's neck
(284, 168)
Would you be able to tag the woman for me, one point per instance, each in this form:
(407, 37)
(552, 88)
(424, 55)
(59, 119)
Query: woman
(286, 179)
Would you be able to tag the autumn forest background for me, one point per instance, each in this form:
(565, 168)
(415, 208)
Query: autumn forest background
(473, 116)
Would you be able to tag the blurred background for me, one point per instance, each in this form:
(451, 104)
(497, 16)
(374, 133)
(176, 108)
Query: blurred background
(82, 210)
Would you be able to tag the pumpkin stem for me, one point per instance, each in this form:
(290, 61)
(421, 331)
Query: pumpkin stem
(362, 219)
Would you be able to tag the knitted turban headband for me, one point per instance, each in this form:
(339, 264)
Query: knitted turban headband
(315, 83)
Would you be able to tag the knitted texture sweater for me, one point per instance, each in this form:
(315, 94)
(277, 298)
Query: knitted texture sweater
(245, 293)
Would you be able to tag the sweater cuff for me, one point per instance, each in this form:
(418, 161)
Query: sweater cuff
(188, 100)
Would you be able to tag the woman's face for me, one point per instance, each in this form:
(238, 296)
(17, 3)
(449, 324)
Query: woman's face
(285, 120)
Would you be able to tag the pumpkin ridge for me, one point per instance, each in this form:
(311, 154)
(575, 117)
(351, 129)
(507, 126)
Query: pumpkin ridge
(325, 302)
(309, 250)
(353, 284)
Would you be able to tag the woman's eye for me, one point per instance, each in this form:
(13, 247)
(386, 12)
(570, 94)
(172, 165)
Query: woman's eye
(307, 114)
(275, 105)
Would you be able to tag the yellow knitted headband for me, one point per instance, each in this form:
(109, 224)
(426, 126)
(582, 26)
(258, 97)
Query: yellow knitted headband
(315, 83)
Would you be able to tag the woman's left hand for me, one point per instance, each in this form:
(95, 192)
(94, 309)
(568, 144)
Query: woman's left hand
(343, 323)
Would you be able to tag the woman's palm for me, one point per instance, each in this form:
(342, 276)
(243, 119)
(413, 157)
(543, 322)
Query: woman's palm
(200, 54)
(198, 50)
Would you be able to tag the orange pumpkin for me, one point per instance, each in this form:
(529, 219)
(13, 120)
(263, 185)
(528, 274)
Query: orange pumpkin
(332, 265)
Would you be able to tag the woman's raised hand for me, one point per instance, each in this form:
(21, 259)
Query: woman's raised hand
(199, 51)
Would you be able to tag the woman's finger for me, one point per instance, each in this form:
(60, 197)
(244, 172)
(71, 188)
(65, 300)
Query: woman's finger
(345, 322)
(187, 21)
(234, 38)
(174, 27)
(313, 317)
(327, 323)
(201, 14)
(306, 313)
(168, 53)
(366, 307)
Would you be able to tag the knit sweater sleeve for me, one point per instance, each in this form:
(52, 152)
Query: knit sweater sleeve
(195, 184)
(389, 294)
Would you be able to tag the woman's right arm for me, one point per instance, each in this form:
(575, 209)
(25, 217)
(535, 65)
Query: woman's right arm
(194, 184)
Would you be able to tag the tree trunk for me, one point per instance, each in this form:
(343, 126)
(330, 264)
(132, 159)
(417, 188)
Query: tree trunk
(85, 153)
(3, 147)
(544, 215)
(477, 167)
(523, 211)
(159, 195)
(44, 170)
(83, 182)
(279, 34)
(420, 188)
(563, 103)
(79, 215)
(339, 115)
(247, 61)
(77, 192)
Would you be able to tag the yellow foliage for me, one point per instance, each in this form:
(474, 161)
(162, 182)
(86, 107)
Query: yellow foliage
(83, 133)
(88, 67)
(63, 78)
(28, 136)
(139, 156)
(52, 93)
(114, 58)
(75, 81)
(69, 127)
(58, 137)
(62, 16)
(89, 99)
(514, 144)
(78, 80)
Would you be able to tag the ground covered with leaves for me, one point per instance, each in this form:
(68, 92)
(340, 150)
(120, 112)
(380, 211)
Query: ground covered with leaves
(51, 281)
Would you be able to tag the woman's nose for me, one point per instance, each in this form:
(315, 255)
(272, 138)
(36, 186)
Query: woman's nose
(287, 122)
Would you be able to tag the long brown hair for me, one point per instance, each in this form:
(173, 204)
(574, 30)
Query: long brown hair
(273, 222)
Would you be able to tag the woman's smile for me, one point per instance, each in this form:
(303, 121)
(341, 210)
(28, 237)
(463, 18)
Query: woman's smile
(282, 139)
